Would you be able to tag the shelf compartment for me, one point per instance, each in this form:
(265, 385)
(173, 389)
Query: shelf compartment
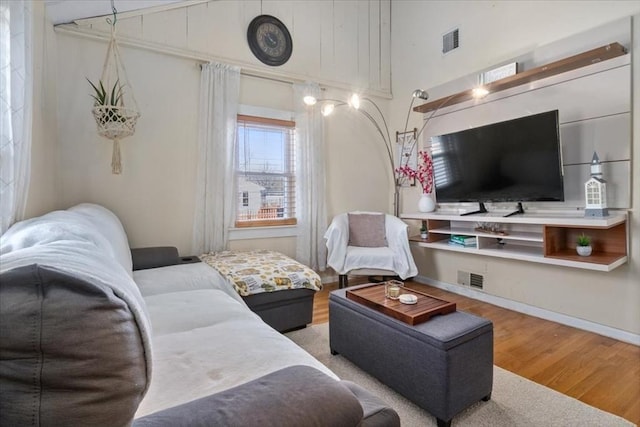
(532, 236)
(431, 238)
(608, 244)
(603, 258)
(514, 251)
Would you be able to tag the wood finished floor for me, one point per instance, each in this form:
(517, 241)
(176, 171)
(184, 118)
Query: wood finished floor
(594, 369)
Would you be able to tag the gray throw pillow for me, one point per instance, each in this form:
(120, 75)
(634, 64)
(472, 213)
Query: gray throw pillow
(367, 230)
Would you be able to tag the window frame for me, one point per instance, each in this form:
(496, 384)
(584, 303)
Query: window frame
(278, 122)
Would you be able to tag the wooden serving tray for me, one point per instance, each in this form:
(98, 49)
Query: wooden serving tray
(427, 306)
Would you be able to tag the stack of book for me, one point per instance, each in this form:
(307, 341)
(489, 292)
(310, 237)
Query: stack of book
(461, 240)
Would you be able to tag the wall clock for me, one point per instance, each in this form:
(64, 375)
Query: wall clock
(269, 40)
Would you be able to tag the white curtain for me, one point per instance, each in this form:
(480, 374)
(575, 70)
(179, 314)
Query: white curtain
(215, 188)
(16, 88)
(310, 209)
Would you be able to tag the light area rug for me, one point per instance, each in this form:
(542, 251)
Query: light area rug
(515, 401)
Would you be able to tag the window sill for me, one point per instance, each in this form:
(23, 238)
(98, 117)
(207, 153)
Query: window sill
(245, 233)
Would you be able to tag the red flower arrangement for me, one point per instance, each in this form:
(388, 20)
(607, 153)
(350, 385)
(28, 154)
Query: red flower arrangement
(423, 174)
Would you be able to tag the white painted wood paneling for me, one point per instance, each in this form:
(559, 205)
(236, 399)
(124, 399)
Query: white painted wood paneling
(345, 44)
(327, 43)
(307, 34)
(363, 38)
(374, 48)
(607, 135)
(169, 28)
(201, 32)
(345, 40)
(385, 45)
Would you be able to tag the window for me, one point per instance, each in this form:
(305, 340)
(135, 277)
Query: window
(265, 172)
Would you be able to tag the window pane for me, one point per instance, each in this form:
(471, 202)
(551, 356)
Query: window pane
(265, 170)
(262, 150)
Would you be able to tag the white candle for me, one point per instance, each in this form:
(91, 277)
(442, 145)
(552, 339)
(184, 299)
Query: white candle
(394, 292)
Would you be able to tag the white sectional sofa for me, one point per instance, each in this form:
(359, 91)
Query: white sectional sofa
(86, 340)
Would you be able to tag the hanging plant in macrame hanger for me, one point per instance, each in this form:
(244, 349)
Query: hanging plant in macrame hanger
(115, 109)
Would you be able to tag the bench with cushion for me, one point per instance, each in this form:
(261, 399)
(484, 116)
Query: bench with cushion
(444, 365)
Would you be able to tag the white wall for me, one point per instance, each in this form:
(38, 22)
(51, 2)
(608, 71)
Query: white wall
(154, 196)
(490, 34)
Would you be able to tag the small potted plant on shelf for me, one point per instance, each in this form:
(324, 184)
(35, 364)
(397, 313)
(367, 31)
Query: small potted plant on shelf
(584, 245)
(423, 231)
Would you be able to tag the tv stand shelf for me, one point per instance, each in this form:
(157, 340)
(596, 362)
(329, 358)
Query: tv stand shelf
(547, 238)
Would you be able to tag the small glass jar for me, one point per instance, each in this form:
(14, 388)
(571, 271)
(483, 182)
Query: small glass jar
(393, 289)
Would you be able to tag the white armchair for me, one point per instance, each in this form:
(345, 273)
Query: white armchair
(382, 251)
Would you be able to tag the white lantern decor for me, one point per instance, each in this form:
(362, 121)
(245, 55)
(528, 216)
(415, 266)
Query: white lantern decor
(595, 191)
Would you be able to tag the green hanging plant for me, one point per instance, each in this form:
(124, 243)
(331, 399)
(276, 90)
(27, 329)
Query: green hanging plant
(104, 98)
(110, 101)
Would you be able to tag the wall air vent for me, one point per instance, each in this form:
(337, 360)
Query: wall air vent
(476, 280)
(450, 41)
(470, 279)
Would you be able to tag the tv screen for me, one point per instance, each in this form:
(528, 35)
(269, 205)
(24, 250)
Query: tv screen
(516, 160)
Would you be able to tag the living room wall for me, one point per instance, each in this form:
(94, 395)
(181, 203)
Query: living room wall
(154, 196)
(491, 33)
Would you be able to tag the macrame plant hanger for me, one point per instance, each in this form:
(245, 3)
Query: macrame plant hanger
(115, 109)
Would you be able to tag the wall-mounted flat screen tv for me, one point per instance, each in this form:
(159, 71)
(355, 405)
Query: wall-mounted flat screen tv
(512, 161)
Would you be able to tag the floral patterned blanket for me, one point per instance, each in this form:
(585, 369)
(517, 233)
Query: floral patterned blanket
(256, 271)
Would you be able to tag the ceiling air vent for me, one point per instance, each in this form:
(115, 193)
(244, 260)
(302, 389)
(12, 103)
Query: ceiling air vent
(450, 41)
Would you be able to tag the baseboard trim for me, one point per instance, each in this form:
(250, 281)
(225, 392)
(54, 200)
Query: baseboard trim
(520, 307)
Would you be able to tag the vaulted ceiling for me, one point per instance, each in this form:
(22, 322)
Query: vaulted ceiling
(63, 11)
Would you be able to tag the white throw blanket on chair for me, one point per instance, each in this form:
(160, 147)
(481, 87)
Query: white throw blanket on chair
(395, 257)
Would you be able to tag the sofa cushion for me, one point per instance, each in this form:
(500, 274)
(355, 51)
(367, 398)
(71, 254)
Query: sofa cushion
(71, 352)
(182, 277)
(205, 342)
(367, 230)
(294, 396)
(376, 413)
(108, 224)
(54, 228)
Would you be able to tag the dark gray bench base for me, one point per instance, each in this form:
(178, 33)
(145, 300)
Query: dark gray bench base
(283, 310)
(443, 365)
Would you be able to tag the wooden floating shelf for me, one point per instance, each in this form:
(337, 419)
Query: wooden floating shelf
(580, 60)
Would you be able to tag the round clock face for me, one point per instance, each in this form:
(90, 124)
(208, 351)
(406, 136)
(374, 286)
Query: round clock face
(269, 40)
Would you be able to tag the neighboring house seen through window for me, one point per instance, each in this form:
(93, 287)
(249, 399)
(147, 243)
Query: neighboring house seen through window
(265, 172)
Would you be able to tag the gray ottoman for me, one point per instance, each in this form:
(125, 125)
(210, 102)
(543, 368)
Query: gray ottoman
(443, 365)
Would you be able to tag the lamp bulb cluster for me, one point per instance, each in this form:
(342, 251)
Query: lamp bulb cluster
(309, 100)
(327, 109)
(354, 101)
